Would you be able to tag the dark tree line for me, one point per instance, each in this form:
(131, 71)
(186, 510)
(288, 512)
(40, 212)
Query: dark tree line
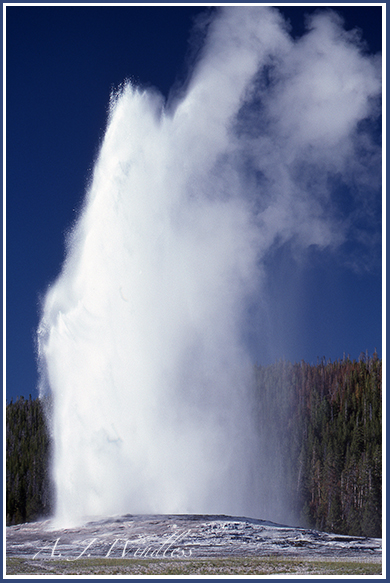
(319, 445)
(28, 490)
(321, 442)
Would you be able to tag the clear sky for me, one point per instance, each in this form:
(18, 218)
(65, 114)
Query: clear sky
(62, 63)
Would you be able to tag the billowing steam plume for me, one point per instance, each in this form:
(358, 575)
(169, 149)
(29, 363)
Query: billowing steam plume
(142, 335)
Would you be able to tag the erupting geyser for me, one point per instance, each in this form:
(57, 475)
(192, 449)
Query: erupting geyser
(142, 335)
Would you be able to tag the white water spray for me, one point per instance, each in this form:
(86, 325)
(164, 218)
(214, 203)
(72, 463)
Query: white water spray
(141, 337)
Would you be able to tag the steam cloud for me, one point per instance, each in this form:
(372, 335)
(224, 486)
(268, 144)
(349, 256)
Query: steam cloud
(142, 335)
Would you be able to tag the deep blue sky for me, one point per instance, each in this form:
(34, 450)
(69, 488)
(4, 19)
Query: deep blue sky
(61, 65)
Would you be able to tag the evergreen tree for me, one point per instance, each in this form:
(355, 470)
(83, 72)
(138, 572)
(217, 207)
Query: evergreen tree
(28, 488)
(322, 428)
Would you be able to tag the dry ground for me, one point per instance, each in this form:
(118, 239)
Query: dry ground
(187, 567)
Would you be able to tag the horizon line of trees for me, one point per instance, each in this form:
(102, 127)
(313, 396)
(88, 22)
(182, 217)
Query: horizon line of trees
(320, 438)
(319, 443)
(28, 485)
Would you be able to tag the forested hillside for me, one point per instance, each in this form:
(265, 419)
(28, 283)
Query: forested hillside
(27, 454)
(319, 445)
(321, 442)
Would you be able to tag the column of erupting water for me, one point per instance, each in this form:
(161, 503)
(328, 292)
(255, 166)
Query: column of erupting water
(140, 333)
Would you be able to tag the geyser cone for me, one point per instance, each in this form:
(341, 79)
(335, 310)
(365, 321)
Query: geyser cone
(141, 337)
